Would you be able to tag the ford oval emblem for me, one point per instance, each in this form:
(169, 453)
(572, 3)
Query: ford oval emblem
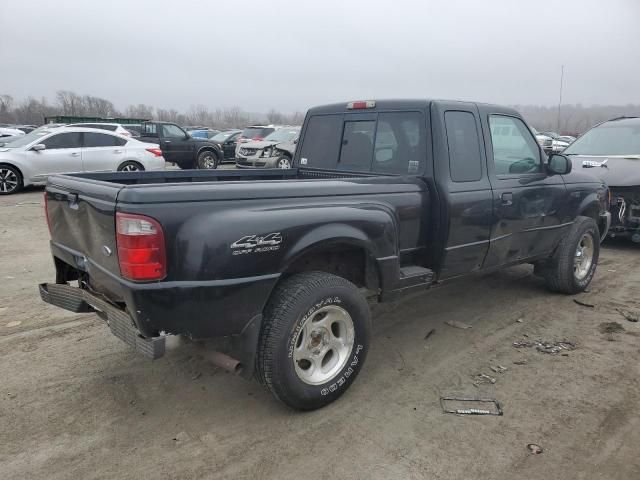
(106, 250)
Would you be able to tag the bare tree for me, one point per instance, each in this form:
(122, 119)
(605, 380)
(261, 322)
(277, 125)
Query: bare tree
(139, 111)
(6, 108)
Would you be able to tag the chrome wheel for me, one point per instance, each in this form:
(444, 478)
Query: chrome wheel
(584, 257)
(208, 161)
(131, 167)
(284, 163)
(8, 180)
(323, 345)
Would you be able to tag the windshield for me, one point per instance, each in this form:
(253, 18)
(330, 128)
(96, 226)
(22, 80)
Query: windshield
(221, 137)
(28, 138)
(282, 135)
(608, 139)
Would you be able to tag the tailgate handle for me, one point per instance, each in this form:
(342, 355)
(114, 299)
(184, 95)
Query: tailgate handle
(73, 200)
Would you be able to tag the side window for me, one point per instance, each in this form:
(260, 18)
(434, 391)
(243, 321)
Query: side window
(357, 145)
(172, 131)
(63, 140)
(101, 140)
(399, 146)
(465, 162)
(515, 151)
(321, 142)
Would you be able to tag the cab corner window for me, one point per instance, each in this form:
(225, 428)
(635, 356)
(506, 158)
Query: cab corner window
(465, 162)
(321, 142)
(515, 151)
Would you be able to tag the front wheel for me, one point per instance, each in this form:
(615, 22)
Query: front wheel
(207, 160)
(10, 180)
(573, 265)
(284, 162)
(314, 339)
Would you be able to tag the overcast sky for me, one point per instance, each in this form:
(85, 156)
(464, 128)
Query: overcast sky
(294, 54)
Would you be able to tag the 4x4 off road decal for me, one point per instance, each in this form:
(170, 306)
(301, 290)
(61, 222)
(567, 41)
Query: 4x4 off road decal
(257, 243)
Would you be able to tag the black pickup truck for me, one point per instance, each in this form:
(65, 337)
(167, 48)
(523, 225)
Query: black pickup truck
(387, 198)
(181, 148)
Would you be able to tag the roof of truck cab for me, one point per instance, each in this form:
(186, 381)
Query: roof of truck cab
(398, 104)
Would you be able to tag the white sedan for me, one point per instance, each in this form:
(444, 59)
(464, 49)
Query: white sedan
(30, 159)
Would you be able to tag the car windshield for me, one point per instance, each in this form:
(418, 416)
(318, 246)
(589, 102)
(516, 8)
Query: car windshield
(28, 138)
(282, 135)
(608, 139)
(222, 136)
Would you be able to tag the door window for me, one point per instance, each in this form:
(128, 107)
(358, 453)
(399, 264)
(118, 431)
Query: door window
(465, 162)
(515, 151)
(172, 131)
(102, 140)
(321, 142)
(399, 146)
(63, 140)
(357, 145)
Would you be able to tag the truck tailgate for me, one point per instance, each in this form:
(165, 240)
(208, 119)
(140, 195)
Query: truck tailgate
(81, 215)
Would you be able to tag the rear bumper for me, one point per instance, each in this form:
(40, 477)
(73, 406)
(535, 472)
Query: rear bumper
(198, 309)
(77, 300)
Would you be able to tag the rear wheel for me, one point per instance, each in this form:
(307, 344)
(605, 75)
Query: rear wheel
(207, 160)
(314, 339)
(131, 166)
(10, 180)
(572, 267)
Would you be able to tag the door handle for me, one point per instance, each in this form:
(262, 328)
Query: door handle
(507, 199)
(117, 151)
(167, 142)
(75, 154)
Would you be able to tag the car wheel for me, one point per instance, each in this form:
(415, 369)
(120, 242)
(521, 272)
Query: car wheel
(207, 160)
(130, 166)
(573, 265)
(10, 180)
(314, 339)
(284, 162)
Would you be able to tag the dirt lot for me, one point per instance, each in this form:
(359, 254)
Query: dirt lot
(75, 402)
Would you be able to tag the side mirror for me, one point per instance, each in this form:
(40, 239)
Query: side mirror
(38, 147)
(559, 164)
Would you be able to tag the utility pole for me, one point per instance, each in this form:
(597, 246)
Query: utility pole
(560, 99)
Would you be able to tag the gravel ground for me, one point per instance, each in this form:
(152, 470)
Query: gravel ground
(75, 402)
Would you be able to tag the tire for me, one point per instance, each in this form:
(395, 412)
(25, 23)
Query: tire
(573, 265)
(10, 180)
(305, 322)
(130, 166)
(284, 162)
(207, 160)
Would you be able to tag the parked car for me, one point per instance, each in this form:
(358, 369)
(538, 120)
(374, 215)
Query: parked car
(544, 141)
(275, 151)
(254, 132)
(282, 261)
(611, 152)
(557, 144)
(31, 159)
(26, 128)
(567, 138)
(227, 142)
(181, 148)
(203, 133)
(10, 132)
(112, 127)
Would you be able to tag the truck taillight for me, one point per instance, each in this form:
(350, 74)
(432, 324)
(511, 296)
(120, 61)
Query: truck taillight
(46, 211)
(141, 249)
(156, 151)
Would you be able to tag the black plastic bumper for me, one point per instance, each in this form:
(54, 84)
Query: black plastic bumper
(77, 300)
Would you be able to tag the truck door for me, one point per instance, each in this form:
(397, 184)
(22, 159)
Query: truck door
(461, 174)
(528, 205)
(176, 144)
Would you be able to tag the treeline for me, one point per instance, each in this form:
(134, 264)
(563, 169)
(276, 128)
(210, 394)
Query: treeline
(574, 119)
(31, 111)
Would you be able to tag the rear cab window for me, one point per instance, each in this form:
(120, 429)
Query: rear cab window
(381, 142)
